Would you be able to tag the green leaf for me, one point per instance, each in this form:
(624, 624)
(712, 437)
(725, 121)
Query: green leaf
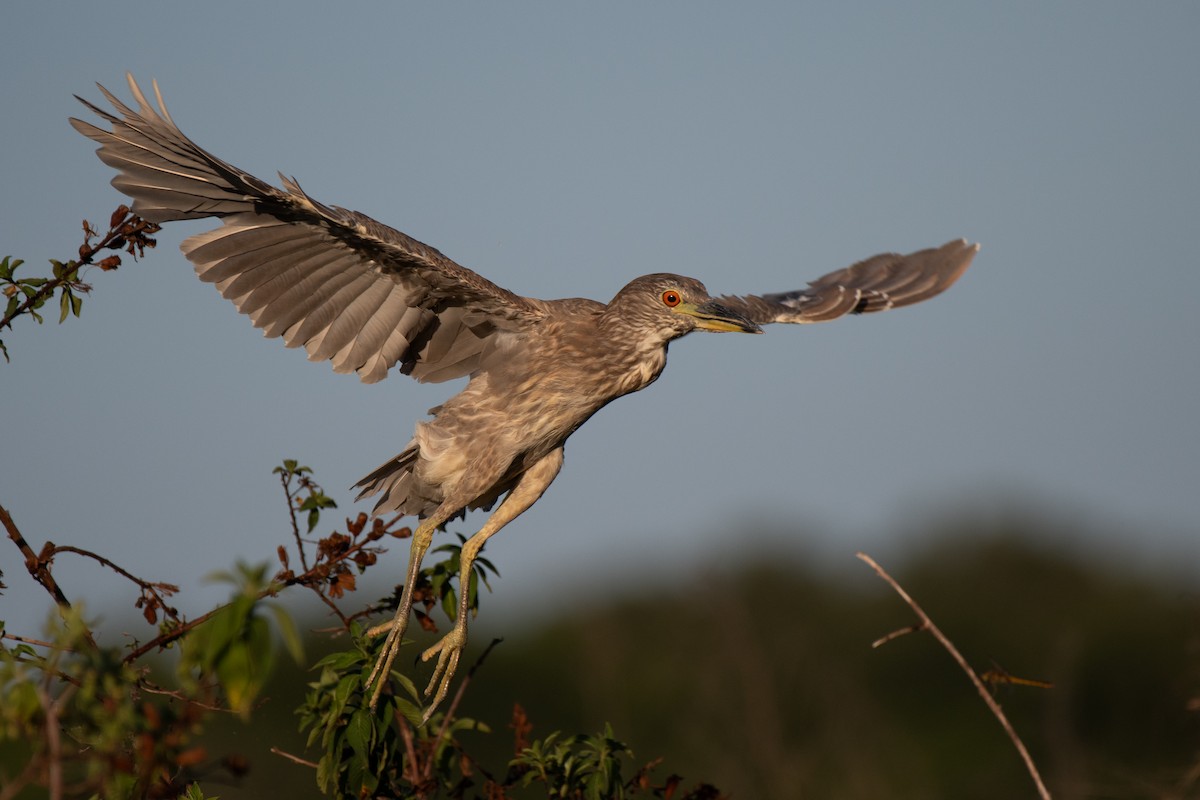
(287, 629)
(340, 661)
(360, 733)
(76, 304)
(64, 304)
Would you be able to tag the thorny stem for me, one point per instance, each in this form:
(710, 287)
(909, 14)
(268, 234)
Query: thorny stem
(927, 624)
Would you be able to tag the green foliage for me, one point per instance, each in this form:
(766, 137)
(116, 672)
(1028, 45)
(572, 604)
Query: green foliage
(234, 645)
(581, 766)
(383, 753)
(26, 296)
(84, 712)
(316, 498)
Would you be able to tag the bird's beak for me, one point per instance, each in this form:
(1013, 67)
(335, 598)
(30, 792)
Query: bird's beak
(712, 316)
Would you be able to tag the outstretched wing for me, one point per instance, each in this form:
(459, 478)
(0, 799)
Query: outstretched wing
(881, 282)
(349, 289)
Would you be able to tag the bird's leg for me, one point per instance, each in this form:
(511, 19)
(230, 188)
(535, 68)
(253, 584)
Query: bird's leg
(524, 494)
(399, 624)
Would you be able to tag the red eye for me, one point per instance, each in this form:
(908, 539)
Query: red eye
(670, 298)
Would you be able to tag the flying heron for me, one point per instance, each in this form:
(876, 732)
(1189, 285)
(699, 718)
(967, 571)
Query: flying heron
(366, 297)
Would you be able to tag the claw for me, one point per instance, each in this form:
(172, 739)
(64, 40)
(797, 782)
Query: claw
(391, 647)
(448, 650)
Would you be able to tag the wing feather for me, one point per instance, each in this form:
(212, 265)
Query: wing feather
(878, 283)
(342, 285)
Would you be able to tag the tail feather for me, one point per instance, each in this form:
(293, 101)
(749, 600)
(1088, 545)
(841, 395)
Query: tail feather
(394, 481)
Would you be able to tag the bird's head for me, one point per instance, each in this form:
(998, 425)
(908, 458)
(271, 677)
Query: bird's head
(665, 307)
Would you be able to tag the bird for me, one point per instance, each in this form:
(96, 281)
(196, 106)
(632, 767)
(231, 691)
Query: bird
(370, 299)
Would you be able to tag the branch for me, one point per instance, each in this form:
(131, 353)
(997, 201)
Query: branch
(285, 478)
(127, 232)
(148, 587)
(37, 566)
(295, 759)
(927, 624)
(53, 744)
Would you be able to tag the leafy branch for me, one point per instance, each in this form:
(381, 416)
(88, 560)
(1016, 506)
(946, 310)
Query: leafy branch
(127, 232)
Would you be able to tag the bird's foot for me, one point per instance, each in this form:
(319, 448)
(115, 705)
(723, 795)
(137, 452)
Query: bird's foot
(448, 650)
(391, 646)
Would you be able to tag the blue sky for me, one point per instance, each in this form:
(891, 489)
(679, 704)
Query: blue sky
(562, 150)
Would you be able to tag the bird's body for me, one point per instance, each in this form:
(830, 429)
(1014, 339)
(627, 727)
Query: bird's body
(547, 388)
(367, 297)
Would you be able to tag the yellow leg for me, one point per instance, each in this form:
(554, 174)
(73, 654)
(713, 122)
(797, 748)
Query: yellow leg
(448, 650)
(399, 624)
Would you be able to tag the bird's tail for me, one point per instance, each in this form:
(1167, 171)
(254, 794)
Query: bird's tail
(395, 482)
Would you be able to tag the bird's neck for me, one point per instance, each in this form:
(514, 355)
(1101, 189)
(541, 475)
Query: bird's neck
(637, 362)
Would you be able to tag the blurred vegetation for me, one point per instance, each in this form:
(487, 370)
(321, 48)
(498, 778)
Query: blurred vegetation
(758, 677)
(761, 678)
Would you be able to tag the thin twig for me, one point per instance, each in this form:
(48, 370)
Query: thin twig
(153, 688)
(285, 479)
(294, 759)
(27, 640)
(882, 640)
(54, 778)
(146, 586)
(412, 772)
(332, 607)
(177, 632)
(458, 696)
(945, 642)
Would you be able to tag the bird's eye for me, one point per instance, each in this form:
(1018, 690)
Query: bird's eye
(671, 298)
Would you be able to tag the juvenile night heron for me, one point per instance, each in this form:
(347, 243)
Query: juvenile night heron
(366, 297)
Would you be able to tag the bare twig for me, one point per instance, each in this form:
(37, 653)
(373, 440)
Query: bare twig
(153, 688)
(54, 778)
(412, 772)
(882, 640)
(153, 588)
(285, 478)
(27, 640)
(294, 759)
(927, 624)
